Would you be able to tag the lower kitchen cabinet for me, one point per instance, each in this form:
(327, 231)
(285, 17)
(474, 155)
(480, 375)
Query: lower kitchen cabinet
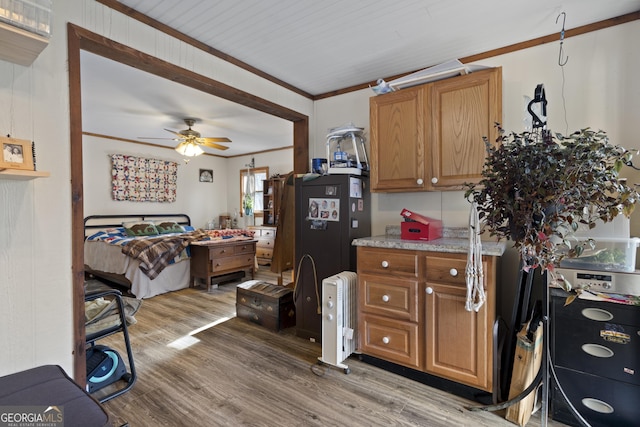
(416, 317)
(389, 319)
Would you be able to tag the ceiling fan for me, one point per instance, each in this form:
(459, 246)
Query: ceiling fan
(190, 140)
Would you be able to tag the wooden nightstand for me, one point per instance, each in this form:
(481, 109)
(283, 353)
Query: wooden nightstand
(220, 261)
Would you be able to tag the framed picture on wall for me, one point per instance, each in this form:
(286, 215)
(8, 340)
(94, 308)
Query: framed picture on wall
(206, 175)
(16, 154)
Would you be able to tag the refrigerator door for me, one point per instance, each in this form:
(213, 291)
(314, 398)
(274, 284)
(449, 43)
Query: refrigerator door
(331, 211)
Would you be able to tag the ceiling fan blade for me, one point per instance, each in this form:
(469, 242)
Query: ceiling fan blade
(166, 139)
(214, 145)
(175, 133)
(203, 140)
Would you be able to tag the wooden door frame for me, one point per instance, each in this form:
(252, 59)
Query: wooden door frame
(81, 39)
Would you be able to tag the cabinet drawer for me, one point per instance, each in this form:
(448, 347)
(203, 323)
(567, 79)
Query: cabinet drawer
(392, 340)
(232, 262)
(601, 401)
(248, 248)
(265, 242)
(394, 261)
(216, 252)
(447, 269)
(264, 252)
(395, 298)
(607, 349)
(268, 232)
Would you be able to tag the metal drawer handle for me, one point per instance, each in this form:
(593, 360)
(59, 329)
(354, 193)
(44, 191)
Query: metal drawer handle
(429, 290)
(597, 405)
(453, 272)
(597, 350)
(385, 264)
(597, 314)
(385, 340)
(385, 298)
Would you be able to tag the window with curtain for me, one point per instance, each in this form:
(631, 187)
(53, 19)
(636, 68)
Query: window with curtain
(251, 190)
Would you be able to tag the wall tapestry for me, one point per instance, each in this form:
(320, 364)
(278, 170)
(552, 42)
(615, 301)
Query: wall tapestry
(139, 179)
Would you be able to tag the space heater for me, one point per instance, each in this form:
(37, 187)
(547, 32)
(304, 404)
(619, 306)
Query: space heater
(339, 319)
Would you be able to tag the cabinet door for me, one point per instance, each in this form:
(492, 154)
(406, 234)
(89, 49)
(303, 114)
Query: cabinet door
(463, 110)
(457, 345)
(397, 141)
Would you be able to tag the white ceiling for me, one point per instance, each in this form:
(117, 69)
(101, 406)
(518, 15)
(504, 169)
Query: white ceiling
(316, 46)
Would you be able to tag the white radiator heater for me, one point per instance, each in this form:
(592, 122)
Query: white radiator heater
(339, 319)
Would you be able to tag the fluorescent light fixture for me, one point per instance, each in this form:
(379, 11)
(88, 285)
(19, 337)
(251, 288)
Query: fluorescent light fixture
(189, 149)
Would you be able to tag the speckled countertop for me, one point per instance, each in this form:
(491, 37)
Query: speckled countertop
(454, 240)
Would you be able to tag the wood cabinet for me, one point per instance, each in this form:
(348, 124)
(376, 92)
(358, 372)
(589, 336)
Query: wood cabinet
(411, 311)
(272, 196)
(430, 137)
(266, 237)
(397, 141)
(221, 260)
(458, 343)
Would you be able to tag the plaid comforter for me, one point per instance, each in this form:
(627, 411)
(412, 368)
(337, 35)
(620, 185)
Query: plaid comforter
(155, 253)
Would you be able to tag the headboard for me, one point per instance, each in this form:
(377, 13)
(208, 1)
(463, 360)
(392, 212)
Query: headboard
(97, 222)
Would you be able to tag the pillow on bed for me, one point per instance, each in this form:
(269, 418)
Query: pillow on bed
(165, 227)
(140, 228)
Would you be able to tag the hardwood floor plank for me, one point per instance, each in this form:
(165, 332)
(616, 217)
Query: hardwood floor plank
(198, 364)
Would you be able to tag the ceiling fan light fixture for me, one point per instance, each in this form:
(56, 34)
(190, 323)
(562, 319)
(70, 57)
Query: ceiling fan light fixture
(189, 149)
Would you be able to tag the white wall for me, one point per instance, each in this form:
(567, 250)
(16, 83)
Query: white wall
(35, 225)
(601, 90)
(200, 200)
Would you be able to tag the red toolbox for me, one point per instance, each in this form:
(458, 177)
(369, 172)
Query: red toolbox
(419, 227)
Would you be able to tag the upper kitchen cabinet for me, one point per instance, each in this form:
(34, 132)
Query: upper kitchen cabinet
(397, 141)
(429, 137)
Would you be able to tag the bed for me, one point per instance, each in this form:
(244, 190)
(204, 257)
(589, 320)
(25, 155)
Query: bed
(104, 257)
(148, 254)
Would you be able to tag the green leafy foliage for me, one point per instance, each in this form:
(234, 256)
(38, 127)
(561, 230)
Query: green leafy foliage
(537, 189)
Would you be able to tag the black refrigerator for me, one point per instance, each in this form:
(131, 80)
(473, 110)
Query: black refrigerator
(331, 211)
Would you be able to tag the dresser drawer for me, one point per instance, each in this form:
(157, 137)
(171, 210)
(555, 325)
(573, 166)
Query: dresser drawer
(247, 248)
(266, 232)
(447, 269)
(392, 340)
(380, 261)
(265, 242)
(395, 298)
(231, 262)
(262, 252)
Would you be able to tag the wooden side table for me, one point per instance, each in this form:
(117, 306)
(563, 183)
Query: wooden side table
(219, 261)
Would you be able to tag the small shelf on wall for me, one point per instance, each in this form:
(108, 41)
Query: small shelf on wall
(20, 46)
(22, 175)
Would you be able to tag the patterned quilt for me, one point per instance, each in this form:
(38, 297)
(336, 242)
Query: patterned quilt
(153, 252)
(156, 252)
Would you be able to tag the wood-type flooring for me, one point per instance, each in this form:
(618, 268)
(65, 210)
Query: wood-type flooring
(199, 365)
